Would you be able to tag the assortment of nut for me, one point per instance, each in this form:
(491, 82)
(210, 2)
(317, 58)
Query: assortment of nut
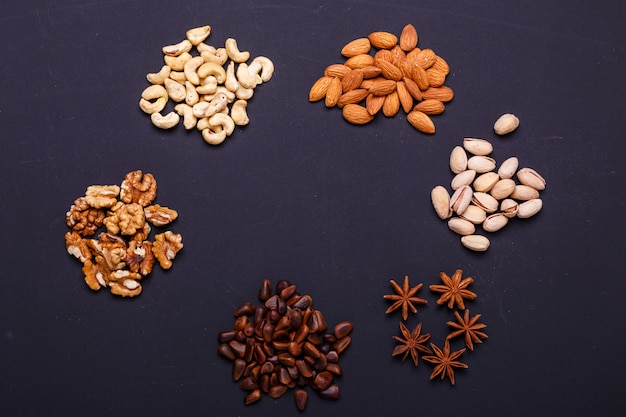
(398, 75)
(123, 254)
(210, 85)
(284, 343)
(484, 196)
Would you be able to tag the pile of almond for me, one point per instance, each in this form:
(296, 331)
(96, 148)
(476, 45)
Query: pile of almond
(385, 73)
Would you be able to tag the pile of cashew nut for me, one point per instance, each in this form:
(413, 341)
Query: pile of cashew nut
(211, 89)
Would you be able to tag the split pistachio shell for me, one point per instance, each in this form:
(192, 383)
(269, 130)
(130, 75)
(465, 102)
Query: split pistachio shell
(508, 168)
(509, 207)
(481, 163)
(441, 202)
(529, 208)
(530, 177)
(478, 243)
(506, 124)
(461, 199)
(458, 160)
(503, 189)
(495, 222)
(485, 202)
(474, 214)
(477, 146)
(524, 192)
(486, 181)
(461, 226)
(463, 178)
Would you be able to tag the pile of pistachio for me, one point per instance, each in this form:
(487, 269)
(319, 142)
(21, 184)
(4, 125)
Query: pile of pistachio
(483, 196)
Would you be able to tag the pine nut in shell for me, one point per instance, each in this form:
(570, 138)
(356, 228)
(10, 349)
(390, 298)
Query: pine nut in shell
(478, 243)
(529, 208)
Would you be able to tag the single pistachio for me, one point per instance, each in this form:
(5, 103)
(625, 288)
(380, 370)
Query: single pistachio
(461, 198)
(508, 168)
(503, 189)
(458, 160)
(461, 226)
(524, 192)
(505, 124)
(485, 201)
(529, 208)
(463, 178)
(441, 202)
(478, 243)
(486, 181)
(495, 222)
(481, 163)
(477, 146)
(509, 207)
(530, 177)
(474, 214)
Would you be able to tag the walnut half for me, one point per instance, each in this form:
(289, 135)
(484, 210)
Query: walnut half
(165, 248)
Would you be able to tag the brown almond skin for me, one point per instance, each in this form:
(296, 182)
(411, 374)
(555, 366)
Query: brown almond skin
(408, 38)
(352, 80)
(421, 122)
(359, 61)
(333, 93)
(383, 40)
(430, 106)
(413, 88)
(370, 71)
(420, 77)
(436, 78)
(443, 93)
(356, 114)
(356, 47)
(391, 105)
(383, 87)
(426, 58)
(373, 103)
(406, 99)
(352, 96)
(337, 70)
(389, 70)
(319, 88)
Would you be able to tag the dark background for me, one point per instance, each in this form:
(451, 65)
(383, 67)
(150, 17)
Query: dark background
(300, 194)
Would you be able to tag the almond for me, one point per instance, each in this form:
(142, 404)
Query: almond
(420, 77)
(370, 71)
(356, 47)
(413, 88)
(333, 93)
(412, 56)
(430, 106)
(391, 105)
(356, 114)
(441, 65)
(383, 40)
(406, 67)
(352, 96)
(337, 70)
(397, 55)
(425, 58)
(406, 99)
(373, 103)
(388, 70)
(421, 122)
(435, 77)
(352, 80)
(443, 93)
(408, 38)
(318, 91)
(359, 61)
(384, 54)
(382, 87)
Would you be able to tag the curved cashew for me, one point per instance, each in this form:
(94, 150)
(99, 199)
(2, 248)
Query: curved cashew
(177, 63)
(213, 138)
(220, 56)
(233, 51)
(177, 49)
(191, 96)
(203, 123)
(201, 47)
(158, 77)
(263, 64)
(209, 108)
(190, 69)
(189, 120)
(220, 90)
(200, 108)
(165, 122)
(244, 93)
(208, 85)
(246, 78)
(222, 122)
(238, 113)
(199, 34)
(212, 68)
(231, 82)
(178, 76)
(156, 92)
(175, 90)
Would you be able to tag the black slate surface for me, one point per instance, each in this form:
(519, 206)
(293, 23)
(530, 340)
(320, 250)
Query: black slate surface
(299, 194)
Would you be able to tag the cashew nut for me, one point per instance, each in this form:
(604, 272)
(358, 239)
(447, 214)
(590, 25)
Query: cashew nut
(245, 77)
(263, 64)
(189, 120)
(201, 47)
(199, 34)
(209, 108)
(220, 90)
(220, 56)
(190, 69)
(175, 90)
(212, 68)
(207, 85)
(233, 51)
(177, 63)
(200, 108)
(244, 93)
(158, 94)
(238, 113)
(222, 122)
(231, 82)
(178, 76)
(165, 122)
(158, 77)
(213, 138)
(191, 97)
(177, 49)
(203, 123)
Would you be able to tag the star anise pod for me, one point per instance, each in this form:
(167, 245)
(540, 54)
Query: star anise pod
(454, 289)
(444, 361)
(413, 343)
(404, 298)
(470, 328)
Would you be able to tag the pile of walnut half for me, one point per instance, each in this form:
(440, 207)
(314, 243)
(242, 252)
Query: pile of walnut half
(210, 86)
(123, 254)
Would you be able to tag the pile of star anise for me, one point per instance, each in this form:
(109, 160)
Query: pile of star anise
(453, 293)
